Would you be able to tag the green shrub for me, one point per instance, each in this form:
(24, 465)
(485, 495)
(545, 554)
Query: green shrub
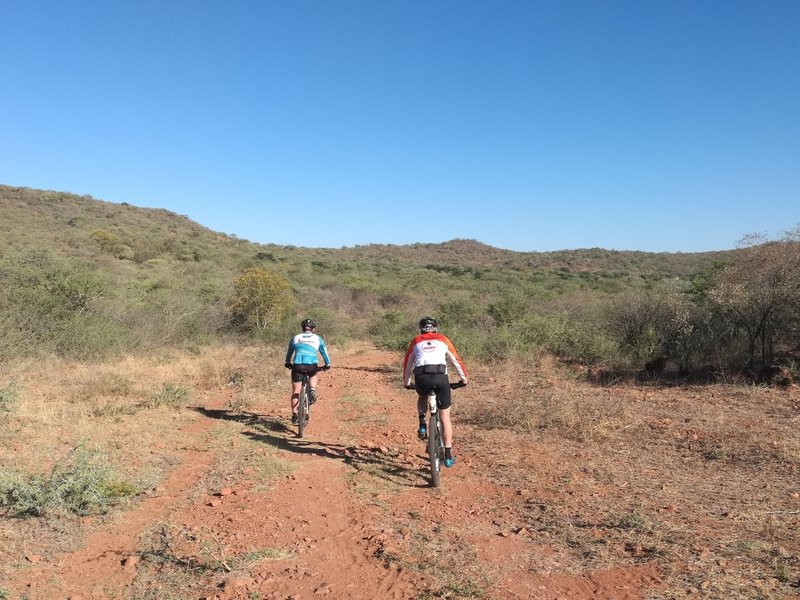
(47, 302)
(80, 483)
(169, 395)
(393, 331)
(260, 299)
(112, 244)
(8, 397)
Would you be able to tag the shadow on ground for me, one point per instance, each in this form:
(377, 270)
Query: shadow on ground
(388, 466)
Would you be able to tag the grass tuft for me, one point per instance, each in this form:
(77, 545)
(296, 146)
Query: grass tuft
(81, 483)
(170, 396)
(8, 397)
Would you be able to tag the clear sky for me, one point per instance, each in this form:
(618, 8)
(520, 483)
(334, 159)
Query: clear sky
(657, 125)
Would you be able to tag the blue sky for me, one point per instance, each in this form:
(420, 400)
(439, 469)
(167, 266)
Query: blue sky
(656, 125)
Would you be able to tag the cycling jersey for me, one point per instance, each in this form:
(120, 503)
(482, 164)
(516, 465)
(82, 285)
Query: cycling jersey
(431, 349)
(305, 346)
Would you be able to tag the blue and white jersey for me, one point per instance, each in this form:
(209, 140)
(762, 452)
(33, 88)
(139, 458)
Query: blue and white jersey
(305, 346)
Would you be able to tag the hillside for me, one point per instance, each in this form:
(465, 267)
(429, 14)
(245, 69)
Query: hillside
(84, 277)
(70, 224)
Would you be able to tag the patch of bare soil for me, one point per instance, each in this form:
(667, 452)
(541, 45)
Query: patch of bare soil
(634, 494)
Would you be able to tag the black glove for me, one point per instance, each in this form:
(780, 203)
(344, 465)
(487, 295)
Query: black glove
(288, 365)
(410, 387)
(325, 367)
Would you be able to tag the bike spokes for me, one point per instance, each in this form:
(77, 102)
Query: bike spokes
(302, 410)
(434, 444)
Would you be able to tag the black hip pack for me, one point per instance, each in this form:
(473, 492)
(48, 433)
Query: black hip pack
(430, 370)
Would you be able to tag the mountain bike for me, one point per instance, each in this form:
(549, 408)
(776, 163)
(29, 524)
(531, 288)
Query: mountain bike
(303, 403)
(303, 406)
(435, 446)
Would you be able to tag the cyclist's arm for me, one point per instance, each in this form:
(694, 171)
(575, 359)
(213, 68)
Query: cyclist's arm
(324, 353)
(408, 365)
(289, 351)
(456, 361)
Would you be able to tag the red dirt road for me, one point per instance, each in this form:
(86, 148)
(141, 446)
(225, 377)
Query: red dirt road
(355, 517)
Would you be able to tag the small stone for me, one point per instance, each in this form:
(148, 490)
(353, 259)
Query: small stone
(33, 558)
(225, 492)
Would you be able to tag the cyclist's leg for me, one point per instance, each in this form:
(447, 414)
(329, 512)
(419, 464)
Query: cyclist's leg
(297, 383)
(311, 370)
(422, 385)
(447, 427)
(295, 396)
(422, 406)
(444, 400)
(312, 388)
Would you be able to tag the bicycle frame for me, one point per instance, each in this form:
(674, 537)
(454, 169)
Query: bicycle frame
(303, 404)
(435, 446)
(435, 439)
(303, 407)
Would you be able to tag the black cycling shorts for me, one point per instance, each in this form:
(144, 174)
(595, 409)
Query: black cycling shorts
(299, 370)
(423, 382)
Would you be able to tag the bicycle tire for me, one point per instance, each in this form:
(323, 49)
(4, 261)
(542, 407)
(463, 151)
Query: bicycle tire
(302, 409)
(434, 444)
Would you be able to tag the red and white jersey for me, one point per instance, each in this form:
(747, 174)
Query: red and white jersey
(431, 349)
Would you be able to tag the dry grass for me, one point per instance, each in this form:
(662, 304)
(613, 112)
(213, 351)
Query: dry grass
(703, 480)
(179, 561)
(448, 561)
(135, 413)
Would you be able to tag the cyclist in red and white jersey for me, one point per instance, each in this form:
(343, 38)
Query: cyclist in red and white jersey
(426, 359)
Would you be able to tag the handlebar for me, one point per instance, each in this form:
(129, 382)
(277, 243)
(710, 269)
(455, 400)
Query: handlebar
(453, 385)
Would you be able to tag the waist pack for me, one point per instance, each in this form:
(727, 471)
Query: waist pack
(431, 370)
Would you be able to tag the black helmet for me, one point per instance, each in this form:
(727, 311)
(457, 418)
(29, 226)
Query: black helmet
(427, 324)
(308, 324)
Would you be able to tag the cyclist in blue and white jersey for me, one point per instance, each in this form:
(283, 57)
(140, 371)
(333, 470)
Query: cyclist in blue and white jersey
(305, 346)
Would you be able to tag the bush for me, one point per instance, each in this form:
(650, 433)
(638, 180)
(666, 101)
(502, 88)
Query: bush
(81, 483)
(260, 298)
(47, 303)
(8, 397)
(393, 331)
(169, 395)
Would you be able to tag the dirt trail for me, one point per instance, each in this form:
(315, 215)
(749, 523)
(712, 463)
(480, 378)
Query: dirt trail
(355, 519)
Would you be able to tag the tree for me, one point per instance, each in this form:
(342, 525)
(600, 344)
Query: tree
(760, 291)
(46, 302)
(260, 298)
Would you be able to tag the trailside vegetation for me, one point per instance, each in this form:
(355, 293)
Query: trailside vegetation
(87, 279)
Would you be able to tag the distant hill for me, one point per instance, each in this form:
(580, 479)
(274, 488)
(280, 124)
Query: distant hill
(82, 226)
(87, 277)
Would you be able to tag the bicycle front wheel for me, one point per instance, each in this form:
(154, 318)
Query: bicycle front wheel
(435, 448)
(302, 409)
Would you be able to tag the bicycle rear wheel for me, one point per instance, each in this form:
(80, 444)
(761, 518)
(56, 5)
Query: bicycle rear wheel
(302, 409)
(435, 448)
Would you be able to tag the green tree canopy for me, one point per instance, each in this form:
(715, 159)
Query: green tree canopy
(260, 298)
